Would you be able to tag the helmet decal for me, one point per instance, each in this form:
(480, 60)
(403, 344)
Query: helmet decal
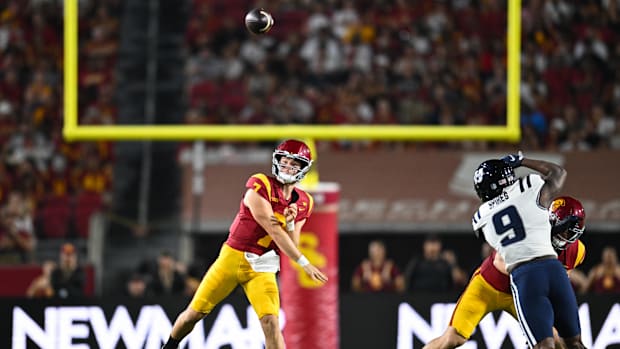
(557, 203)
(478, 175)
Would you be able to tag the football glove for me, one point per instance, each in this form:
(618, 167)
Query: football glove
(513, 160)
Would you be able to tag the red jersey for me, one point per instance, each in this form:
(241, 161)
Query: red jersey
(606, 284)
(571, 257)
(378, 278)
(245, 234)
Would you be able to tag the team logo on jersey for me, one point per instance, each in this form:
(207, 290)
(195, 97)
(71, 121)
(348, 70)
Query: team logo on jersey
(302, 208)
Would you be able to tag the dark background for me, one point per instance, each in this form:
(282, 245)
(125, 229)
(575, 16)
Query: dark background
(353, 248)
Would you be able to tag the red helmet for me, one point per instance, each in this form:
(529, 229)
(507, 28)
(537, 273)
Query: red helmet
(293, 149)
(567, 218)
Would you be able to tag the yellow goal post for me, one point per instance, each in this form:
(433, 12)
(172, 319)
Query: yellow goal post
(72, 131)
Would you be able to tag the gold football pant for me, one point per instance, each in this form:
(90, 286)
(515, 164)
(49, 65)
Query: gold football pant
(478, 299)
(229, 270)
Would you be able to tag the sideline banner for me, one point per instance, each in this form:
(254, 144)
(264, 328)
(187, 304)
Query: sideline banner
(312, 309)
(367, 321)
(409, 322)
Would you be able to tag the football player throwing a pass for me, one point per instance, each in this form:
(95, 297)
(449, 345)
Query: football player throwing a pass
(271, 214)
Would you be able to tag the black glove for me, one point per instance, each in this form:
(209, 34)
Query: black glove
(514, 160)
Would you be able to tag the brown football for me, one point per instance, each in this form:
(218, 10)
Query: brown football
(258, 21)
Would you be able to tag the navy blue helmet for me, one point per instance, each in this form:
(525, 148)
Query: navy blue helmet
(491, 177)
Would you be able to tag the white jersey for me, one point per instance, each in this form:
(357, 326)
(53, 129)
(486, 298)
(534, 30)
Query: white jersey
(515, 224)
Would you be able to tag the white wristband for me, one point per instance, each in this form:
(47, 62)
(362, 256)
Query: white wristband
(290, 226)
(303, 261)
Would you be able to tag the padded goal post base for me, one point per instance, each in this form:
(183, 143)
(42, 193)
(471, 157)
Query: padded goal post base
(311, 309)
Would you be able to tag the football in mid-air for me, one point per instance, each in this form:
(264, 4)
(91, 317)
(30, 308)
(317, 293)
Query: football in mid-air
(258, 21)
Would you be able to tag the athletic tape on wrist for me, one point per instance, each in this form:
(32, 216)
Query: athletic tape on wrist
(303, 261)
(290, 226)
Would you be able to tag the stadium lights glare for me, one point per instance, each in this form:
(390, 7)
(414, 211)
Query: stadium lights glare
(72, 131)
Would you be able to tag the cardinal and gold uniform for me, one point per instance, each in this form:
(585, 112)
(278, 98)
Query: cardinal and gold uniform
(489, 290)
(231, 268)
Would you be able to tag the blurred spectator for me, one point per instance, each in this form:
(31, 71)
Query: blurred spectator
(92, 174)
(322, 52)
(377, 273)
(5, 183)
(579, 281)
(254, 50)
(590, 44)
(136, 286)
(194, 275)
(41, 286)
(430, 272)
(601, 127)
(57, 181)
(459, 276)
(167, 280)
(604, 278)
(102, 43)
(28, 181)
(91, 180)
(344, 18)
(17, 238)
(68, 279)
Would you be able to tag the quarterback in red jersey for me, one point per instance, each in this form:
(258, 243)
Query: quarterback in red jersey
(271, 214)
(489, 287)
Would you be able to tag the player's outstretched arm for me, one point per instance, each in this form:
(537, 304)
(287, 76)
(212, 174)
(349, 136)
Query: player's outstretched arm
(262, 212)
(554, 175)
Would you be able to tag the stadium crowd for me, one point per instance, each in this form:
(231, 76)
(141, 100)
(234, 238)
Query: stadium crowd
(411, 63)
(48, 187)
(325, 62)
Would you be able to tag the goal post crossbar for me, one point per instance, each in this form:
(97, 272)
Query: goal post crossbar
(72, 131)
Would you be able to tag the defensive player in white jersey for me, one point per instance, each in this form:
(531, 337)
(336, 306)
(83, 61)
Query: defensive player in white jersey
(514, 221)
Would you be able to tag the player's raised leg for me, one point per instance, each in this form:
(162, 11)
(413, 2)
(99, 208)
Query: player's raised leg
(217, 283)
(478, 299)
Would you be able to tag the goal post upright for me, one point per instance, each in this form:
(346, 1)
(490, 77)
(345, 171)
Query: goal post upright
(72, 131)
